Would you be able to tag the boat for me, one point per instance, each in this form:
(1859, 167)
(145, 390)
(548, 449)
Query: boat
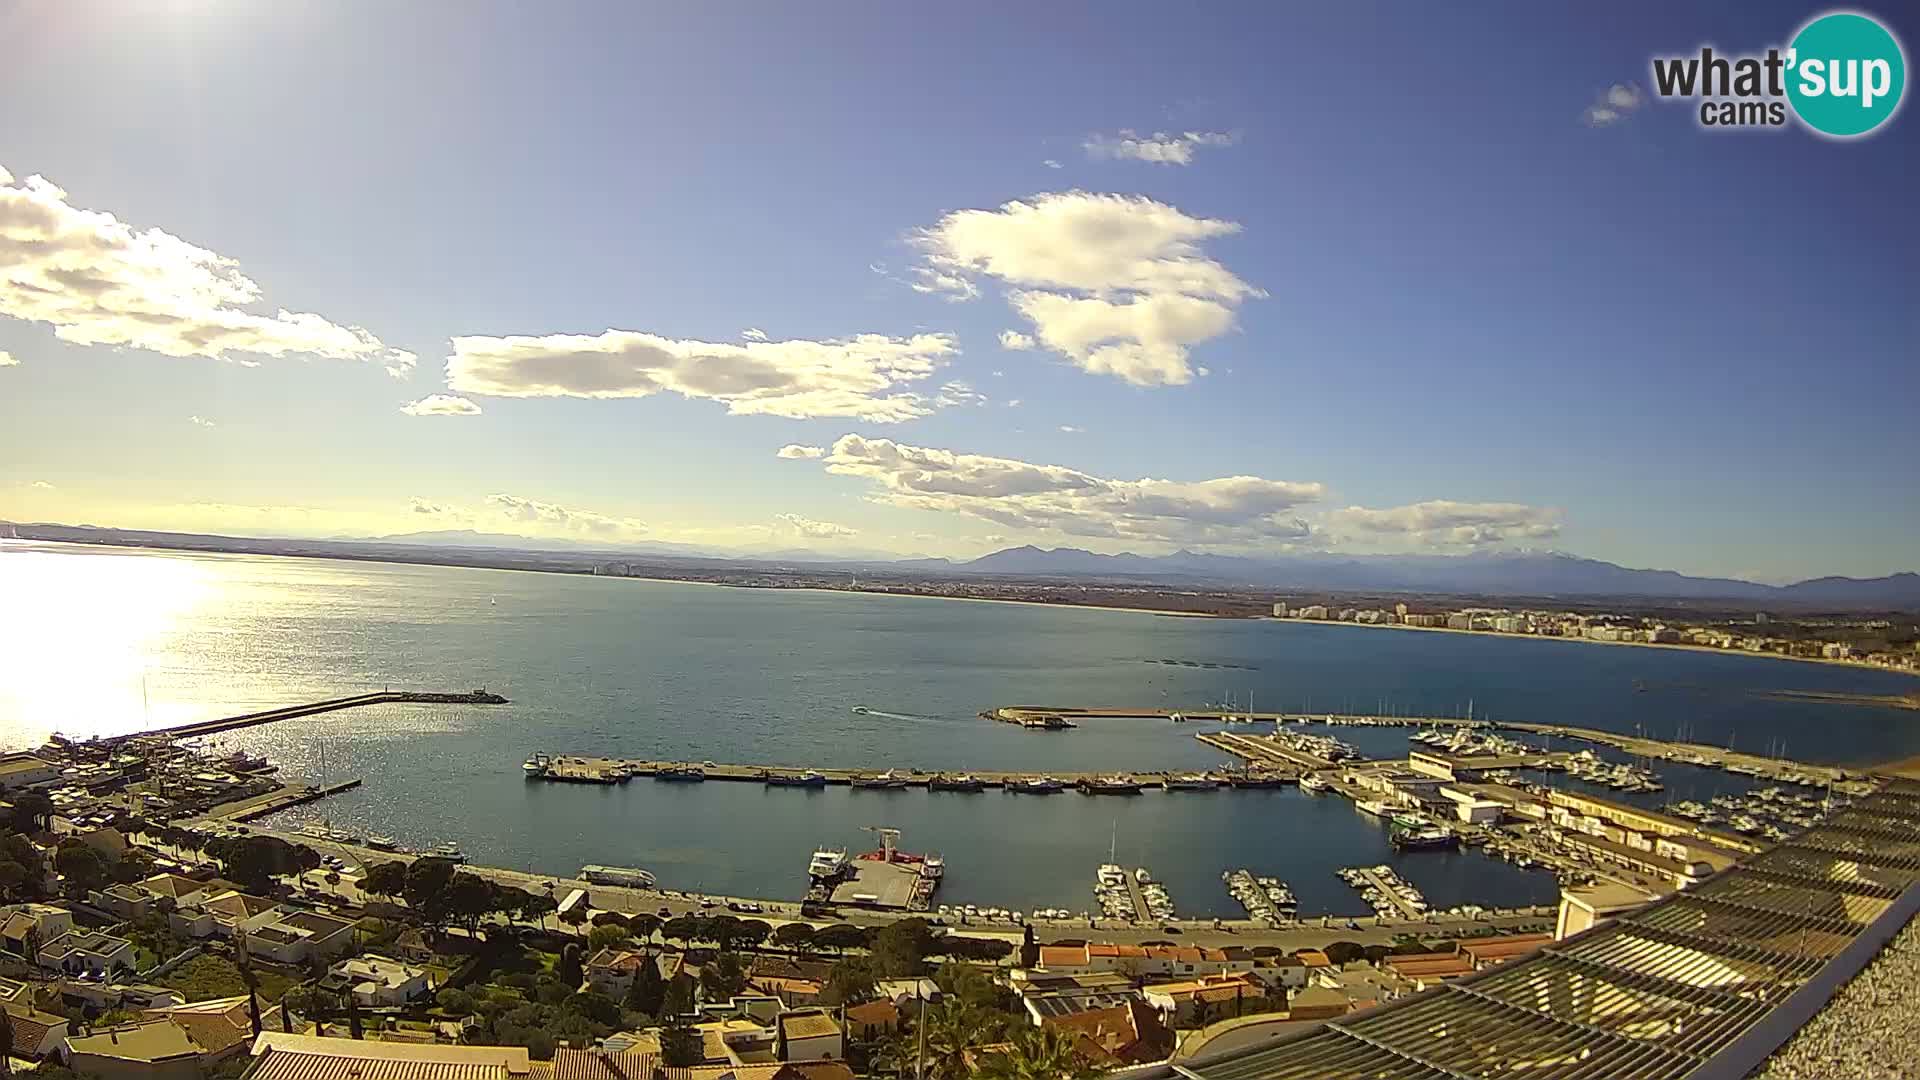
(449, 851)
(810, 779)
(827, 863)
(680, 772)
(861, 710)
(933, 866)
(1425, 838)
(956, 782)
(626, 877)
(1037, 785)
(536, 766)
(1191, 782)
(1257, 780)
(1111, 875)
(383, 843)
(1314, 782)
(1110, 785)
(886, 781)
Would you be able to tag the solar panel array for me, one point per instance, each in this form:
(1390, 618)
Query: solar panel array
(1651, 995)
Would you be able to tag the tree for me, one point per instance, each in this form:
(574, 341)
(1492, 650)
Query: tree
(567, 971)
(952, 1029)
(900, 949)
(425, 888)
(454, 1001)
(722, 930)
(536, 907)
(680, 1045)
(971, 986)
(575, 916)
(470, 898)
(753, 933)
(387, 879)
(797, 936)
(682, 928)
(1038, 1054)
(644, 926)
(849, 982)
(32, 811)
(840, 937)
(609, 918)
(723, 977)
(83, 868)
(648, 992)
(596, 1007)
(13, 878)
(606, 937)
(1345, 952)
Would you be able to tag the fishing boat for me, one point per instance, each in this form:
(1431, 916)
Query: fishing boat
(383, 843)
(886, 781)
(680, 773)
(1038, 785)
(1110, 785)
(828, 862)
(536, 766)
(956, 782)
(812, 778)
(1191, 782)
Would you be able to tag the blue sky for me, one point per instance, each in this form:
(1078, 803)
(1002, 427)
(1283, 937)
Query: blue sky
(1436, 308)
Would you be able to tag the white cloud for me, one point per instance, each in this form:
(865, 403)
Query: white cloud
(1013, 403)
(441, 405)
(862, 377)
(418, 505)
(1444, 523)
(565, 519)
(97, 281)
(199, 421)
(1015, 340)
(1117, 284)
(7, 360)
(1614, 104)
(1160, 148)
(795, 451)
(958, 393)
(754, 333)
(1071, 430)
(1233, 510)
(1052, 164)
(43, 485)
(814, 530)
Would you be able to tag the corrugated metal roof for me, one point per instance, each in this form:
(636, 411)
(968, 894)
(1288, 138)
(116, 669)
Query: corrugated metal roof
(1653, 994)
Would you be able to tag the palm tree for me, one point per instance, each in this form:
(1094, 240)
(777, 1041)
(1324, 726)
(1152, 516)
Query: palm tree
(1038, 1054)
(953, 1029)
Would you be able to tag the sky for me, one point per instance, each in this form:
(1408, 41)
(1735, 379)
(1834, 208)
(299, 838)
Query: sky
(881, 278)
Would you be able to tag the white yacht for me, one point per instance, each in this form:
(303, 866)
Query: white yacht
(827, 862)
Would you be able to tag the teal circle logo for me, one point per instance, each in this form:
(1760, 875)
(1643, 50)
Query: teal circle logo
(1845, 74)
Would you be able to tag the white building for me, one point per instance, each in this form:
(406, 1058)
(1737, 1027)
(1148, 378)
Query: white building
(87, 950)
(377, 981)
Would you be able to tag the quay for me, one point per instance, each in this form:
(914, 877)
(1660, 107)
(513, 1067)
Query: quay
(291, 712)
(284, 799)
(1371, 878)
(576, 769)
(1266, 752)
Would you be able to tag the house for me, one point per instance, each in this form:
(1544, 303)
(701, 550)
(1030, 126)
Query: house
(24, 770)
(1130, 1033)
(1138, 960)
(89, 951)
(1197, 1002)
(290, 937)
(219, 915)
(612, 971)
(1318, 1003)
(809, 1035)
(1429, 969)
(143, 1050)
(105, 997)
(221, 1028)
(129, 902)
(36, 1034)
(379, 981)
(183, 891)
(305, 1057)
(36, 923)
(1487, 952)
(872, 1020)
(1286, 972)
(1366, 985)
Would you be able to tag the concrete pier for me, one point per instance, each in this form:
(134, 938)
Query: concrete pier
(291, 712)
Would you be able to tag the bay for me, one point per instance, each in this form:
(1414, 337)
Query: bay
(97, 641)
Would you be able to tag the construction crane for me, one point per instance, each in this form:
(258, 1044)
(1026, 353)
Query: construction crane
(889, 840)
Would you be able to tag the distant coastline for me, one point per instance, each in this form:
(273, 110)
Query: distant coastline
(1853, 665)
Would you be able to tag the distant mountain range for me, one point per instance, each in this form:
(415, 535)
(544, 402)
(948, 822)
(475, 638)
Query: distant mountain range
(1485, 574)
(1506, 573)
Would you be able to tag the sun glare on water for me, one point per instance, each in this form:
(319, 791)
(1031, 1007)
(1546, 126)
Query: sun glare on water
(77, 637)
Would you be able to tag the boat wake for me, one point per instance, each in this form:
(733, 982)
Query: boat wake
(863, 710)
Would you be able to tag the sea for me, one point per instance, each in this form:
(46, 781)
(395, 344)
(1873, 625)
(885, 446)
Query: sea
(100, 641)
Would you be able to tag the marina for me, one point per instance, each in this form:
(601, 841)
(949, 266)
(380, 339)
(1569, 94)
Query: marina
(1390, 895)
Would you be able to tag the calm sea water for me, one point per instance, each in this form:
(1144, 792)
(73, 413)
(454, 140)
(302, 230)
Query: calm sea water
(103, 641)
